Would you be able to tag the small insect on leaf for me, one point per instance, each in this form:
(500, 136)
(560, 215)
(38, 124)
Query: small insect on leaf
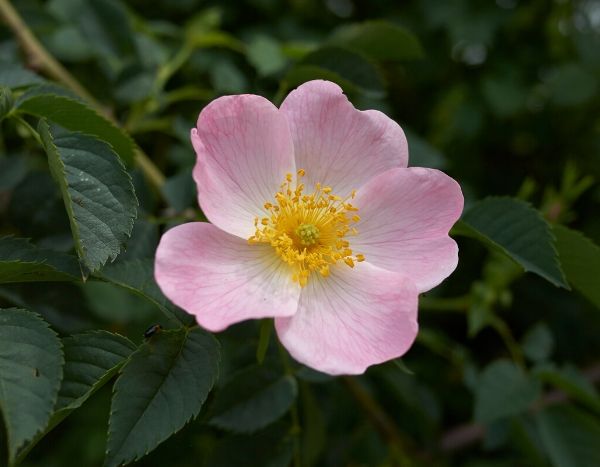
(154, 329)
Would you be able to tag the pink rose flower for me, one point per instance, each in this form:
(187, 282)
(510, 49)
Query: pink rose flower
(316, 221)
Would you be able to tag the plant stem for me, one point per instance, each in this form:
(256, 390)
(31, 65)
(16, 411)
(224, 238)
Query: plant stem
(509, 340)
(40, 58)
(31, 130)
(38, 55)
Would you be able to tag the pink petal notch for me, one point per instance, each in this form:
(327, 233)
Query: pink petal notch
(244, 150)
(406, 215)
(351, 320)
(220, 279)
(338, 145)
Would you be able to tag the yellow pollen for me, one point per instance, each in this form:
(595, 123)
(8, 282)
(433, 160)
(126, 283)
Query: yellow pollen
(308, 231)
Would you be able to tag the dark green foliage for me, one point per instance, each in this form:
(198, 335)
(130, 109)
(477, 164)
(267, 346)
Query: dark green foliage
(502, 96)
(503, 389)
(152, 395)
(97, 192)
(20, 261)
(580, 259)
(518, 231)
(74, 115)
(91, 359)
(569, 436)
(31, 368)
(252, 399)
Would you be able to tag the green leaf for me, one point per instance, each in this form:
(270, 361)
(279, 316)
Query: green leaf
(265, 54)
(106, 25)
(161, 387)
(252, 399)
(15, 76)
(91, 359)
(379, 40)
(75, 115)
(350, 70)
(31, 364)
(6, 101)
(580, 259)
(20, 261)
(569, 436)
(517, 230)
(97, 192)
(504, 390)
(137, 275)
(538, 343)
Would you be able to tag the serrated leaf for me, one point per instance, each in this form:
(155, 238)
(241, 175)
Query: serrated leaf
(97, 192)
(350, 70)
(380, 40)
(137, 275)
(517, 230)
(504, 390)
(91, 358)
(15, 76)
(252, 399)
(20, 261)
(569, 436)
(162, 386)
(75, 115)
(31, 364)
(580, 259)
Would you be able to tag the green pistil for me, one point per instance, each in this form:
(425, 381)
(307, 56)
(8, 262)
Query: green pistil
(308, 234)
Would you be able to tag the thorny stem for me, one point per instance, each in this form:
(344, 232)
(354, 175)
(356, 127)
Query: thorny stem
(40, 58)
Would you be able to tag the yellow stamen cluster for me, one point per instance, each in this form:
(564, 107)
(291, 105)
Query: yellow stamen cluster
(308, 231)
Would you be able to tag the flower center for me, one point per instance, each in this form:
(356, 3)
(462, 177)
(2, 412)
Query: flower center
(308, 234)
(308, 231)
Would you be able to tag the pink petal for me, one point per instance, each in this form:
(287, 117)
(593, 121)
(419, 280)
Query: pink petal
(353, 319)
(244, 150)
(221, 279)
(405, 218)
(338, 145)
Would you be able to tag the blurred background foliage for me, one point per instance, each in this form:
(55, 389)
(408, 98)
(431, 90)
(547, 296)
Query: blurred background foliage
(504, 96)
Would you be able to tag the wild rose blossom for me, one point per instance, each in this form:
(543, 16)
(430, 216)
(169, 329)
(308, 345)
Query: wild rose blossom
(317, 222)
